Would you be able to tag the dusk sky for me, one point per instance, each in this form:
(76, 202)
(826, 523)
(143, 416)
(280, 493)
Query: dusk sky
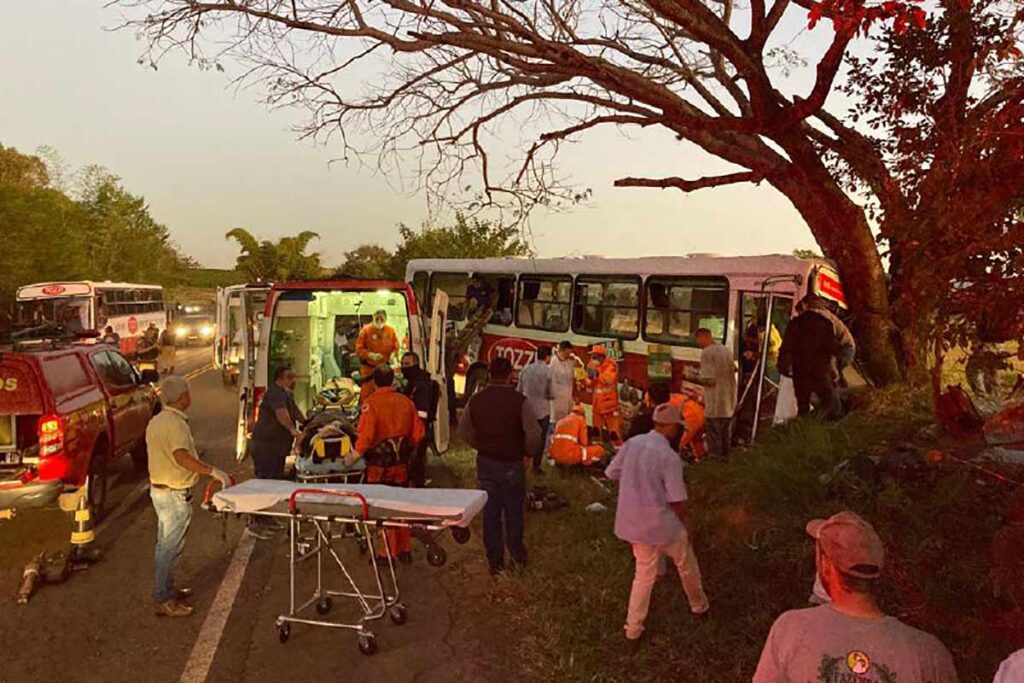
(209, 158)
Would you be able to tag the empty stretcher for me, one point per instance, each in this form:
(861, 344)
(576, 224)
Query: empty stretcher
(368, 508)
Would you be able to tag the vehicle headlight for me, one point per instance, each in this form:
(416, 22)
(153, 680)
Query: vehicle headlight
(181, 332)
(206, 330)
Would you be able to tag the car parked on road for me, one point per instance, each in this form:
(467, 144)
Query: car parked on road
(68, 411)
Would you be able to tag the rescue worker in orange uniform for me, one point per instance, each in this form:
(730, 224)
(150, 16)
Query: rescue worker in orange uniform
(603, 378)
(693, 414)
(570, 444)
(376, 345)
(389, 431)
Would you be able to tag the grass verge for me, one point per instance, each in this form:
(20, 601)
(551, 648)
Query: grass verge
(748, 517)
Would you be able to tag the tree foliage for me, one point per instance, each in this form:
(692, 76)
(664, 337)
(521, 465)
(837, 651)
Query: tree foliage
(268, 261)
(100, 232)
(468, 237)
(469, 77)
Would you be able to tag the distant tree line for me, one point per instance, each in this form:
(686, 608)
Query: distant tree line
(83, 227)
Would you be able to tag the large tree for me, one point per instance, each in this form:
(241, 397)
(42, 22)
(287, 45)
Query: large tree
(465, 76)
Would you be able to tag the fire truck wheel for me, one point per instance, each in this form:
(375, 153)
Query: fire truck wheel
(96, 491)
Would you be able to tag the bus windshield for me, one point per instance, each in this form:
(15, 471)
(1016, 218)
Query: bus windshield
(71, 311)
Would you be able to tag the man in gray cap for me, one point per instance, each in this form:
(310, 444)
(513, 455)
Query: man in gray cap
(651, 514)
(850, 638)
(174, 468)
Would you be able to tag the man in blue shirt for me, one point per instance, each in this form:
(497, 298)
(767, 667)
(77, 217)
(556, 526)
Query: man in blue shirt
(651, 514)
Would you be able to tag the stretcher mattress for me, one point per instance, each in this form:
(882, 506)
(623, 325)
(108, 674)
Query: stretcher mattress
(450, 507)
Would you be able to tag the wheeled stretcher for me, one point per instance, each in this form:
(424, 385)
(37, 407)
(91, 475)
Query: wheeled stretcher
(326, 509)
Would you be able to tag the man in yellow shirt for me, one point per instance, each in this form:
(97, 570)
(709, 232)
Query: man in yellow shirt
(174, 468)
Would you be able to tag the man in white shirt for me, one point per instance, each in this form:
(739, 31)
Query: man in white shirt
(651, 514)
(563, 380)
(718, 377)
(535, 384)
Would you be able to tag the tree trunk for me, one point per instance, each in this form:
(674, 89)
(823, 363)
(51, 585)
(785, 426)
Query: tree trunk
(841, 229)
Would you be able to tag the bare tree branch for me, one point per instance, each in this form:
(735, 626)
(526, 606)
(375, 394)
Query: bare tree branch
(691, 185)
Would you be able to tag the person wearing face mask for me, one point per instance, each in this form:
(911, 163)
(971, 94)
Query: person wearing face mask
(851, 636)
(376, 344)
(423, 391)
(651, 514)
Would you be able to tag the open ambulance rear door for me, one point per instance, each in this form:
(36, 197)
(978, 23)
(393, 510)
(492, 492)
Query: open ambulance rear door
(253, 302)
(435, 364)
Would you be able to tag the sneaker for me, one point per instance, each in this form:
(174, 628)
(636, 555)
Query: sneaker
(173, 608)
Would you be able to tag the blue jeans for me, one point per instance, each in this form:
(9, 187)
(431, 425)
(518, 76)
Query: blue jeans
(173, 514)
(505, 484)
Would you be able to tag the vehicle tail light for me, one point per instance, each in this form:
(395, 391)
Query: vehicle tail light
(51, 436)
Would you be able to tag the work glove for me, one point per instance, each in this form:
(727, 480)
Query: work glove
(375, 356)
(223, 477)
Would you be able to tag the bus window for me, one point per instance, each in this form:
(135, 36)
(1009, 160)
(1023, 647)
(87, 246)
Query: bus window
(454, 285)
(544, 303)
(607, 308)
(678, 307)
(502, 289)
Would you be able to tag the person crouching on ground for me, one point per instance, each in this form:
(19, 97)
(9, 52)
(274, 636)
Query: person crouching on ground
(389, 432)
(651, 514)
(500, 425)
(570, 445)
(850, 636)
(174, 468)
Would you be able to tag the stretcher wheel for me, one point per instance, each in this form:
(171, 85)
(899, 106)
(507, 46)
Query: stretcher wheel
(324, 605)
(363, 545)
(436, 556)
(399, 614)
(284, 632)
(367, 644)
(460, 534)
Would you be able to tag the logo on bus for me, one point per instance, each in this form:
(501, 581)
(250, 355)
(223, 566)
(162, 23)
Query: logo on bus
(54, 290)
(520, 352)
(133, 325)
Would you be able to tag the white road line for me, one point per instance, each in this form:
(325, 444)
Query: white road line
(199, 661)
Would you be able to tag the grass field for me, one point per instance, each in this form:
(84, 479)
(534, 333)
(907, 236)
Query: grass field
(748, 518)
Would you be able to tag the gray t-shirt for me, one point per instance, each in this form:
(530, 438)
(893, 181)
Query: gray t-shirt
(821, 645)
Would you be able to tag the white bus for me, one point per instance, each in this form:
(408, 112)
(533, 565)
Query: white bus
(645, 310)
(85, 305)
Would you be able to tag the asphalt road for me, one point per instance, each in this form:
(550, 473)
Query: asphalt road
(99, 625)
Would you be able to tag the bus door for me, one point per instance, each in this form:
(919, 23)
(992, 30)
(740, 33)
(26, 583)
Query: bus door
(764, 317)
(435, 365)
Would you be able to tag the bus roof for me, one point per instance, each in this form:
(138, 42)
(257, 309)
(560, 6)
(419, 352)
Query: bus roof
(77, 287)
(694, 264)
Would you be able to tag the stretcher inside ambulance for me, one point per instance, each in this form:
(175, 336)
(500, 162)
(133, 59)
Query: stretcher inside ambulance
(314, 328)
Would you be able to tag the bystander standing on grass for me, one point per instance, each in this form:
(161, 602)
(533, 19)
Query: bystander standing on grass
(651, 515)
